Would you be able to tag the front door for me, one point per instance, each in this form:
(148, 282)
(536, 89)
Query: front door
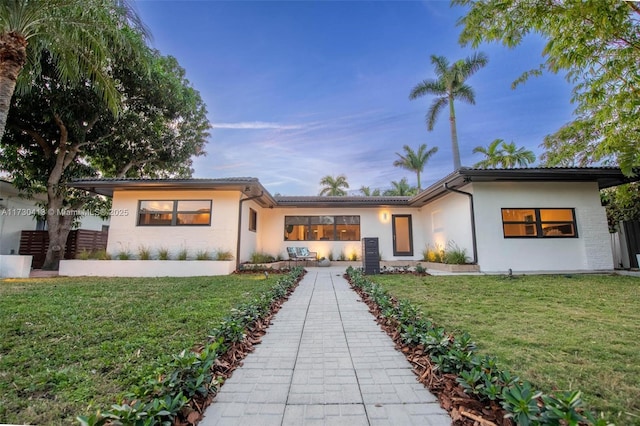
(402, 235)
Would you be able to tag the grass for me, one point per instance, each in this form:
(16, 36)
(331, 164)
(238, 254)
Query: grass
(559, 332)
(66, 343)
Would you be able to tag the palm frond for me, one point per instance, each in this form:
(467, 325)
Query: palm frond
(435, 108)
(465, 93)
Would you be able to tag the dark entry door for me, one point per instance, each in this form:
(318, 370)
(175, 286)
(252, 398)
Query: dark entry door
(402, 235)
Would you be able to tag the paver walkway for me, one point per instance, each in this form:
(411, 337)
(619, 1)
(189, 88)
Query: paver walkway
(324, 360)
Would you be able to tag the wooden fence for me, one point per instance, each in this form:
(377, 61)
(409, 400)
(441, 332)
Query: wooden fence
(36, 243)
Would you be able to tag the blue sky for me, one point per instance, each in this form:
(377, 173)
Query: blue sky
(298, 90)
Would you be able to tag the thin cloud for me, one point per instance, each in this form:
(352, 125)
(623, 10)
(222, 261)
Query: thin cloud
(256, 125)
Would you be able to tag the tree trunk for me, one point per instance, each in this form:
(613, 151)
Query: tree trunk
(455, 150)
(13, 55)
(59, 226)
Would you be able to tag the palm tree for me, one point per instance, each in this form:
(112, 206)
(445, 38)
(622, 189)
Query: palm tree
(334, 186)
(513, 156)
(449, 85)
(492, 153)
(78, 34)
(401, 188)
(415, 161)
(367, 192)
(505, 155)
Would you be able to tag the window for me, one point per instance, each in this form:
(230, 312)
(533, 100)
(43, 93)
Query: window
(539, 223)
(253, 220)
(322, 228)
(174, 213)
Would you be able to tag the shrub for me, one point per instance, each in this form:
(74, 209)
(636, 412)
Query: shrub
(353, 257)
(182, 254)
(144, 253)
(84, 255)
(257, 257)
(224, 255)
(455, 255)
(163, 253)
(331, 256)
(203, 255)
(342, 256)
(435, 255)
(100, 255)
(123, 255)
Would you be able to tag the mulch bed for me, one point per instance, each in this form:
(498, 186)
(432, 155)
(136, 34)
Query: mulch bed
(226, 363)
(464, 409)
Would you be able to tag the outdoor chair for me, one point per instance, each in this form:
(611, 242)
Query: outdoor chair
(301, 254)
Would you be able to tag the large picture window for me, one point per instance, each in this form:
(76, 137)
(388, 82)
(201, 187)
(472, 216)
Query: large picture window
(539, 223)
(322, 228)
(174, 213)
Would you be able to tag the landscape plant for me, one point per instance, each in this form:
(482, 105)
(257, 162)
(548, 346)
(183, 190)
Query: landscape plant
(224, 255)
(144, 253)
(258, 257)
(163, 253)
(183, 254)
(572, 332)
(203, 255)
(478, 375)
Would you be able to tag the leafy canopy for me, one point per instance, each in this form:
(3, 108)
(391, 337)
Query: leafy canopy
(596, 43)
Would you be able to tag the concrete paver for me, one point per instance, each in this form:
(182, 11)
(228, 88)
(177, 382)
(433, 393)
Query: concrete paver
(324, 361)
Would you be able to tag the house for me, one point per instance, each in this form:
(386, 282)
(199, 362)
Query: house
(537, 219)
(20, 213)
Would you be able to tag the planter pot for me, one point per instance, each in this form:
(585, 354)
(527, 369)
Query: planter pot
(146, 268)
(324, 262)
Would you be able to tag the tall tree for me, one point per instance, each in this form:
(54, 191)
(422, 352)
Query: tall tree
(401, 188)
(60, 131)
(597, 44)
(334, 186)
(449, 86)
(415, 161)
(80, 35)
(506, 155)
(368, 192)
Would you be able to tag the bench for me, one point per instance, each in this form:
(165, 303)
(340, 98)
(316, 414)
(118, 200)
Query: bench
(301, 254)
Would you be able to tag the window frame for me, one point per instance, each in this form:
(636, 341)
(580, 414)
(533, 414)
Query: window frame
(313, 222)
(538, 222)
(174, 213)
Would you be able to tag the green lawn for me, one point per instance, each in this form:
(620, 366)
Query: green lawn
(559, 332)
(68, 342)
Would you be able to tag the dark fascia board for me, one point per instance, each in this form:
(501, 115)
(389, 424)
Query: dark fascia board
(251, 187)
(605, 177)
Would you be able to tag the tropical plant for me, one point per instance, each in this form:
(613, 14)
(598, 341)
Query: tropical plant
(401, 188)
(81, 36)
(333, 186)
(415, 161)
(58, 132)
(368, 192)
(449, 85)
(597, 44)
(506, 155)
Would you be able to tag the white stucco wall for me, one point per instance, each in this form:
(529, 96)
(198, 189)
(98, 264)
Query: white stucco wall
(448, 222)
(125, 234)
(590, 251)
(249, 239)
(16, 215)
(372, 224)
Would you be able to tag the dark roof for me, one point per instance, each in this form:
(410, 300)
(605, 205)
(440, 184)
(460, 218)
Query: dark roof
(347, 201)
(604, 176)
(250, 186)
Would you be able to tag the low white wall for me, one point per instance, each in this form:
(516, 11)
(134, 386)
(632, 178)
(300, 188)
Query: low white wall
(146, 268)
(15, 266)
